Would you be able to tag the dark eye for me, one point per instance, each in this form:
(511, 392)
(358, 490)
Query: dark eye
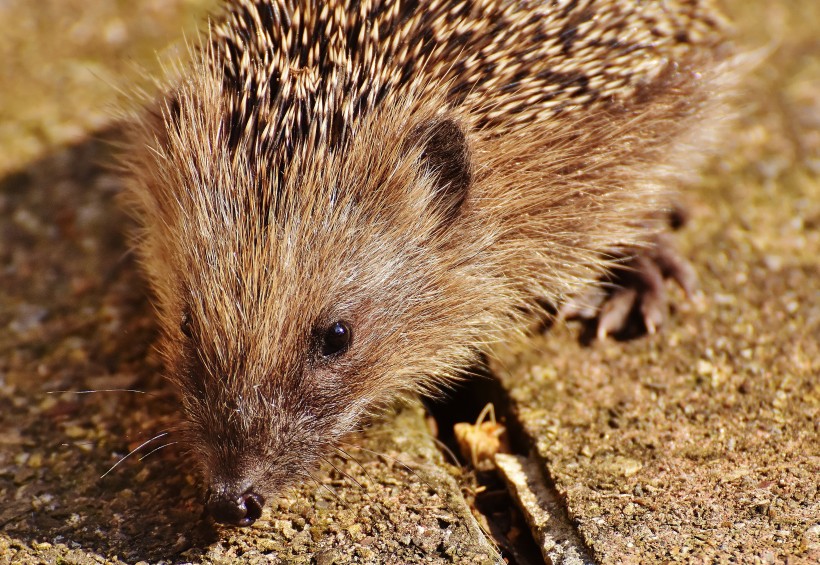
(336, 339)
(185, 325)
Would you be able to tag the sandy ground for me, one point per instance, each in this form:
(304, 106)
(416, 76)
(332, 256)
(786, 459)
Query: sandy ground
(702, 443)
(697, 444)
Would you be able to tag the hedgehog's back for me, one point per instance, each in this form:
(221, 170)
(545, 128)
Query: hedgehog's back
(293, 66)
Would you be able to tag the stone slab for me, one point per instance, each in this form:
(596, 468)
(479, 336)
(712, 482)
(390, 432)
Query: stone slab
(702, 443)
(74, 316)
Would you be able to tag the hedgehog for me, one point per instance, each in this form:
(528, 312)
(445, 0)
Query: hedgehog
(342, 204)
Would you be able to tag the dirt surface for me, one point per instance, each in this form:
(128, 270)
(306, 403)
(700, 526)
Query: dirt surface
(702, 444)
(698, 444)
(66, 65)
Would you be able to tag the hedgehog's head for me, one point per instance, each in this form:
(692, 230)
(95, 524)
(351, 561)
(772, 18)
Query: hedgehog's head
(300, 294)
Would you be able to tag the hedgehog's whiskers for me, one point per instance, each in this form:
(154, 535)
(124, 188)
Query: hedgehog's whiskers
(324, 486)
(157, 449)
(90, 391)
(401, 463)
(347, 456)
(344, 474)
(133, 451)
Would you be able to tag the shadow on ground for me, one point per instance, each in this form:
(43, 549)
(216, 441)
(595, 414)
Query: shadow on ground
(78, 319)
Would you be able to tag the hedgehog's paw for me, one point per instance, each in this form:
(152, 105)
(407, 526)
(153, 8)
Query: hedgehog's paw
(636, 291)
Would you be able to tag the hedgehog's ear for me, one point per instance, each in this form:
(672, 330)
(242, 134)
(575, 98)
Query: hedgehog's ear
(446, 154)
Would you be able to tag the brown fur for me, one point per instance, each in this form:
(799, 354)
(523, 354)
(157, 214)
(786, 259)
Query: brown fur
(425, 171)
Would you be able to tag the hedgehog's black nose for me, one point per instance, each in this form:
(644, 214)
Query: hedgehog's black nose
(242, 510)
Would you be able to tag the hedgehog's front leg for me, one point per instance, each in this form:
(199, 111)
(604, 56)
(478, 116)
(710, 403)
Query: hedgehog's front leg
(635, 290)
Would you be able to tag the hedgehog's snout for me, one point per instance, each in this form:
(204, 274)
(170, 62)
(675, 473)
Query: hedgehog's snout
(236, 509)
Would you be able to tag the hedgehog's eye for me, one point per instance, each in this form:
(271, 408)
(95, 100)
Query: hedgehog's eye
(337, 339)
(185, 326)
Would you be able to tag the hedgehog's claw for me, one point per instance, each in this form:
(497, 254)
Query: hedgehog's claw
(673, 265)
(638, 291)
(584, 306)
(615, 311)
